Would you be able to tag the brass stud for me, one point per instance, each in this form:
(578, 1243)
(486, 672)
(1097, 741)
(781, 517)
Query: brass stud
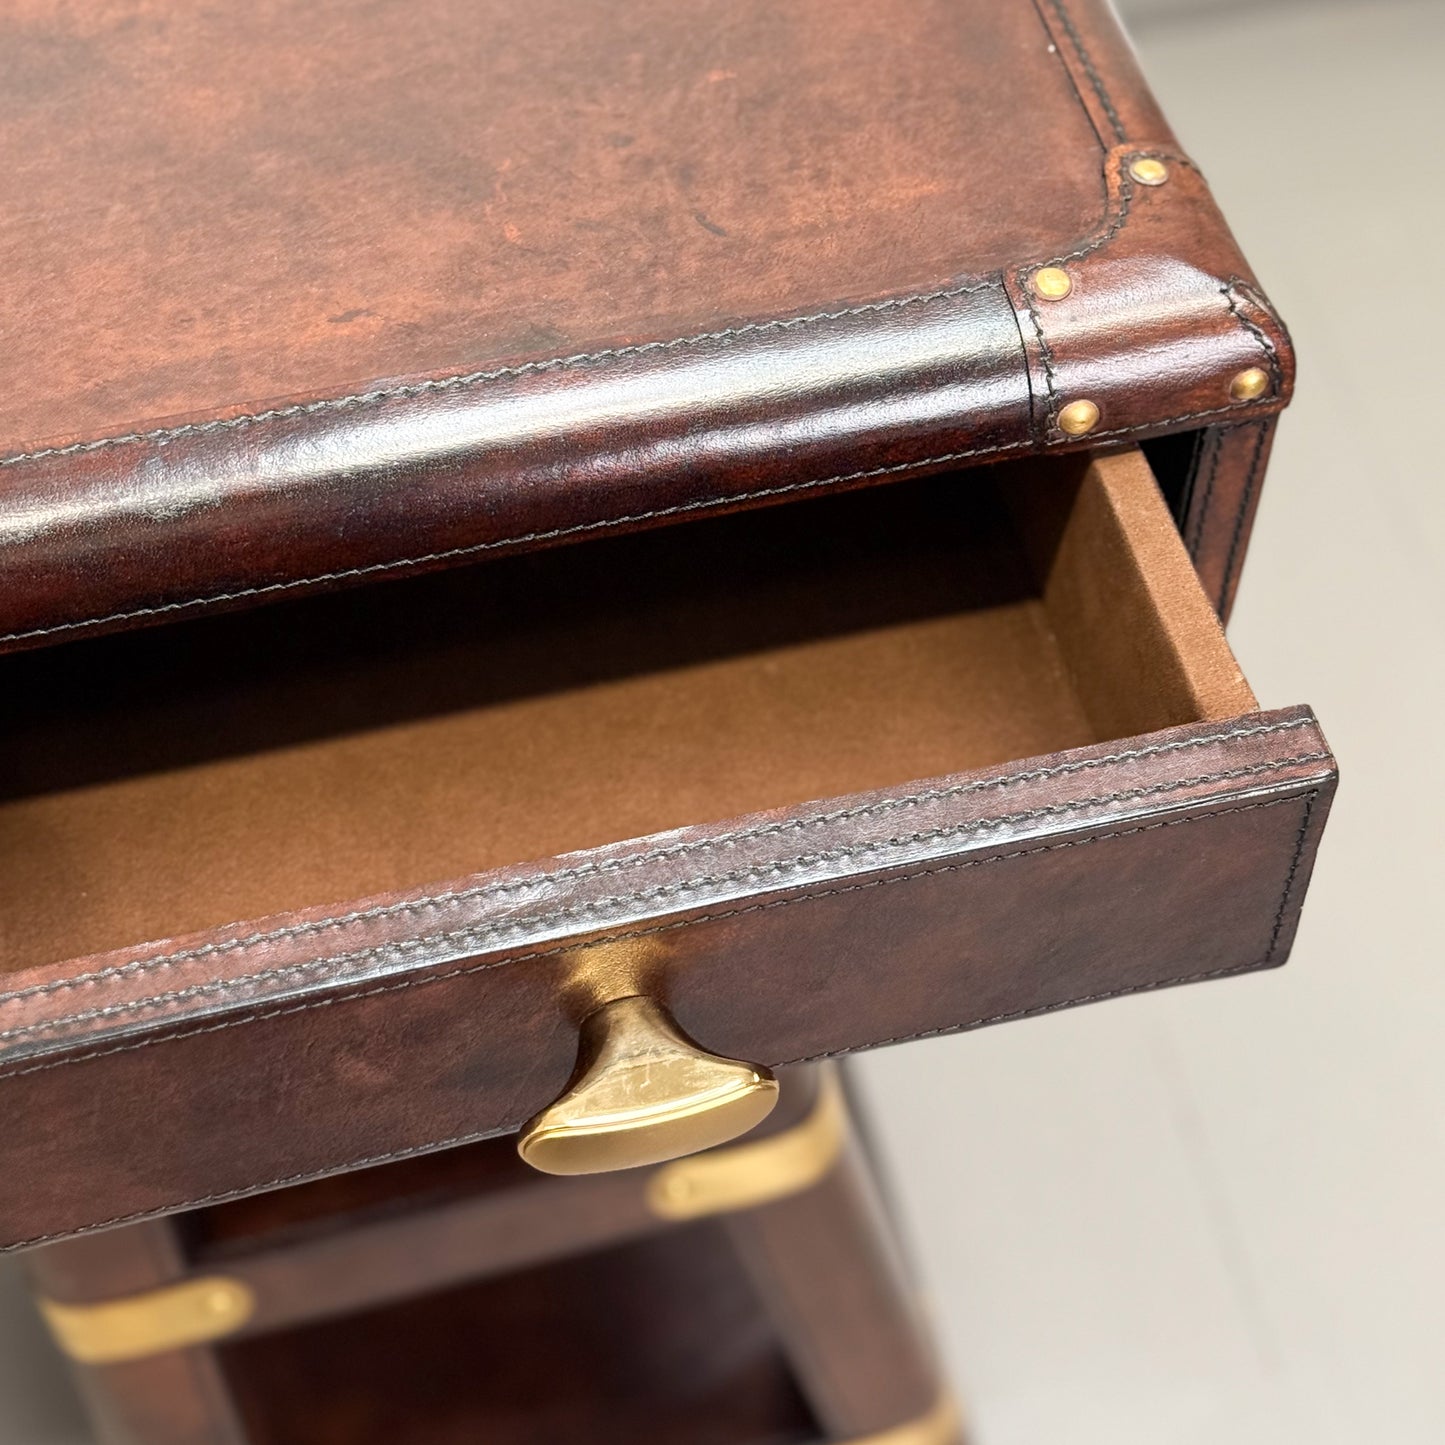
(1148, 171)
(1079, 418)
(1250, 384)
(1053, 283)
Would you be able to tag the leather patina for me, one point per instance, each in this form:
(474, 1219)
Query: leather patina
(365, 300)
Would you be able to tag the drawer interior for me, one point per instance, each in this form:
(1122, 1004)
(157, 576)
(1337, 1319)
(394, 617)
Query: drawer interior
(161, 782)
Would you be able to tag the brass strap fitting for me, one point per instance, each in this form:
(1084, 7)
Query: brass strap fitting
(723, 1179)
(170, 1318)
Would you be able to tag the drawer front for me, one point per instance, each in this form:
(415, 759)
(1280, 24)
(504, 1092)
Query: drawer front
(236, 1061)
(1154, 828)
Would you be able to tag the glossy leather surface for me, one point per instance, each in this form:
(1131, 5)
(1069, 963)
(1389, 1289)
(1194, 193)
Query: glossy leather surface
(320, 1042)
(321, 357)
(300, 295)
(847, 651)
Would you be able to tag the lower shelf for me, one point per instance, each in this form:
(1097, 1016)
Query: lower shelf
(660, 1340)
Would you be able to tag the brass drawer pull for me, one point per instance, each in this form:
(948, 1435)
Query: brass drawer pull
(643, 1093)
(758, 1171)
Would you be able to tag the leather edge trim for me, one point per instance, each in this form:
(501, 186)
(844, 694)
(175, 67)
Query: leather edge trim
(1224, 504)
(1035, 357)
(1308, 801)
(1110, 226)
(712, 844)
(246, 1010)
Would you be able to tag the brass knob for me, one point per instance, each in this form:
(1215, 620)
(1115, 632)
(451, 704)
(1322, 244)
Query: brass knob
(643, 1093)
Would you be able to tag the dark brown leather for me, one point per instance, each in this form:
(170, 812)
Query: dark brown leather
(1158, 829)
(327, 357)
(637, 1328)
(172, 780)
(1228, 477)
(318, 1042)
(852, 1338)
(827, 1264)
(359, 1241)
(301, 294)
(663, 1339)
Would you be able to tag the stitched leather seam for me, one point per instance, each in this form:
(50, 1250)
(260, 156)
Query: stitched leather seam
(414, 1150)
(1231, 291)
(166, 434)
(1046, 355)
(1215, 442)
(479, 936)
(1126, 196)
(1289, 881)
(1098, 436)
(1127, 193)
(1241, 515)
(1026, 290)
(1095, 79)
(1237, 286)
(492, 890)
(624, 935)
(1279, 916)
(582, 528)
(550, 535)
(163, 435)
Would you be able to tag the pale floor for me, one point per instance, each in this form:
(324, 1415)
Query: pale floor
(1216, 1214)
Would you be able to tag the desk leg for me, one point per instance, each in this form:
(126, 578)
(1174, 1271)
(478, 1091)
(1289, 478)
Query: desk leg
(176, 1398)
(827, 1266)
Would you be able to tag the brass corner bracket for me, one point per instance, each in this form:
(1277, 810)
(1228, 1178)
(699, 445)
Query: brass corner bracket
(152, 1323)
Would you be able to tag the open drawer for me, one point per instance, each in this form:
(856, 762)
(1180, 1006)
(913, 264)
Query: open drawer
(818, 777)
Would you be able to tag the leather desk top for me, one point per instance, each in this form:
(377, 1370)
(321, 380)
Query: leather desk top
(295, 294)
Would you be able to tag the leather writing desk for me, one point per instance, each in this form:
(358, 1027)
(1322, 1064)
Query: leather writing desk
(807, 450)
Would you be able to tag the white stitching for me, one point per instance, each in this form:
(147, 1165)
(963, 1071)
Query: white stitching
(727, 840)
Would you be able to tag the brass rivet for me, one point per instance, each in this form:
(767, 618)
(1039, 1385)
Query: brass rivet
(1079, 418)
(1249, 385)
(1148, 171)
(1052, 283)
